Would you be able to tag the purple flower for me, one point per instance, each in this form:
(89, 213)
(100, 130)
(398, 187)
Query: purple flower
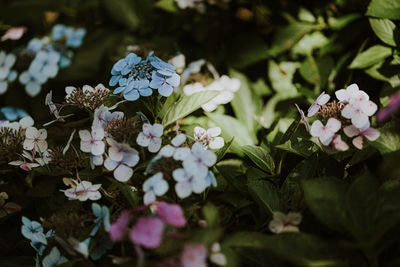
(171, 214)
(118, 228)
(194, 255)
(147, 232)
(392, 108)
(164, 84)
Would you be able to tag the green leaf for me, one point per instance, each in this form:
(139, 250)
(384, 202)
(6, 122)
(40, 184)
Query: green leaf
(222, 151)
(167, 5)
(210, 213)
(260, 157)
(186, 105)
(371, 56)
(310, 42)
(123, 12)
(247, 49)
(309, 71)
(342, 21)
(265, 194)
(384, 29)
(281, 77)
(326, 200)
(389, 140)
(231, 127)
(245, 103)
(387, 9)
(302, 148)
(129, 193)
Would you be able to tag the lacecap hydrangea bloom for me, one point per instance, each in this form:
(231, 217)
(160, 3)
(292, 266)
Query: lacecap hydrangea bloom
(137, 77)
(7, 75)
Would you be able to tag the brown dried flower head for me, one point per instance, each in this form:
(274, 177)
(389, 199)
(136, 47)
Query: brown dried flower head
(87, 97)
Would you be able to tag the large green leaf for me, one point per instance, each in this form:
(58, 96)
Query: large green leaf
(371, 56)
(264, 193)
(384, 29)
(389, 140)
(309, 71)
(123, 12)
(186, 105)
(389, 9)
(260, 157)
(246, 104)
(326, 199)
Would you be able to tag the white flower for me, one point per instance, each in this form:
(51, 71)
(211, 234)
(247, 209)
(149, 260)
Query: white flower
(345, 95)
(216, 256)
(96, 161)
(26, 166)
(178, 153)
(321, 100)
(367, 132)
(103, 116)
(285, 223)
(151, 136)
(35, 139)
(187, 183)
(209, 138)
(193, 88)
(198, 161)
(325, 133)
(84, 191)
(339, 144)
(92, 142)
(227, 87)
(121, 157)
(179, 62)
(359, 111)
(154, 186)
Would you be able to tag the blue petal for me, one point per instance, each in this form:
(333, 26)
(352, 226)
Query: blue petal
(119, 65)
(132, 95)
(114, 80)
(145, 92)
(174, 80)
(165, 90)
(119, 90)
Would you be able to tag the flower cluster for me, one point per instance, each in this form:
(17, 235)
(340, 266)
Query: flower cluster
(137, 77)
(285, 222)
(225, 87)
(148, 230)
(46, 57)
(351, 114)
(87, 97)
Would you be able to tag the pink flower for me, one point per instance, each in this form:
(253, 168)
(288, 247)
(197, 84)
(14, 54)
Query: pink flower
(367, 132)
(171, 214)
(392, 108)
(321, 100)
(118, 228)
(339, 144)
(325, 133)
(194, 256)
(147, 232)
(14, 33)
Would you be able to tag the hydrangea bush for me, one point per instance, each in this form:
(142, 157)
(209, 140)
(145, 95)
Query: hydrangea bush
(199, 145)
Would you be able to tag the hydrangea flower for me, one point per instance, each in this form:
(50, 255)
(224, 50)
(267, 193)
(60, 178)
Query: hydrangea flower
(33, 82)
(12, 114)
(103, 116)
(339, 144)
(171, 214)
(178, 62)
(135, 89)
(6, 74)
(187, 182)
(345, 95)
(162, 67)
(303, 118)
(198, 161)
(121, 157)
(73, 38)
(35, 44)
(193, 67)
(46, 63)
(147, 232)
(325, 133)
(368, 132)
(92, 142)
(285, 223)
(321, 100)
(83, 191)
(26, 166)
(14, 33)
(35, 139)
(194, 255)
(124, 65)
(154, 186)
(33, 231)
(209, 138)
(164, 84)
(150, 137)
(118, 228)
(175, 151)
(216, 256)
(54, 258)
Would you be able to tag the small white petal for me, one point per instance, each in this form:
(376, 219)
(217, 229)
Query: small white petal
(123, 173)
(85, 135)
(110, 165)
(142, 140)
(183, 189)
(154, 144)
(217, 143)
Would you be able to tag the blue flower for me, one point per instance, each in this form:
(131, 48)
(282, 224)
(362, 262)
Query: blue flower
(58, 32)
(164, 84)
(124, 66)
(102, 217)
(75, 38)
(35, 44)
(135, 89)
(12, 114)
(54, 258)
(65, 59)
(33, 82)
(162, 67)
(33, 231)
(6, 62)
(46, 63)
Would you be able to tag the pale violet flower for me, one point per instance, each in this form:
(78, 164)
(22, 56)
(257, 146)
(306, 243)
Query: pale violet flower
(103, 116)
(121, 157)
(285, 223)
(54, 258)
(345, 95)
(187, 183)
(216, 256)
(33, 82)
(368, 132)
(92, 142)
(325, 133)
(83, 191)
(35, 139)
(321, 100)
(45, 62)
(150, 137)
(209, 138)
(194, 255)
(198, 161)
(154, 186)
(339, 144)
(175, 151)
